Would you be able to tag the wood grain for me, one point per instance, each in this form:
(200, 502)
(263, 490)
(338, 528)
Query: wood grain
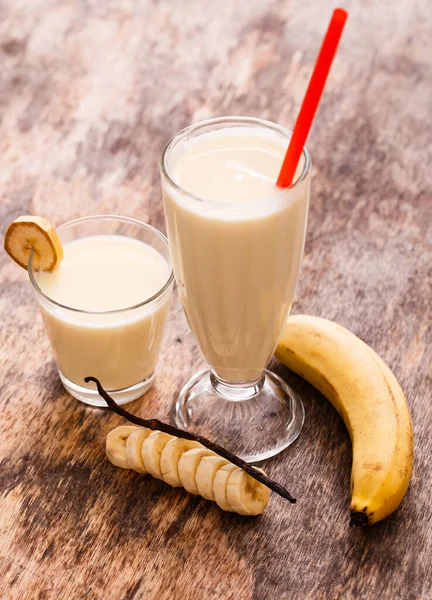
(89, 93)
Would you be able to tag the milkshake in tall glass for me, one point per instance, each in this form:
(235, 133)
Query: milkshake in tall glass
(236, 242)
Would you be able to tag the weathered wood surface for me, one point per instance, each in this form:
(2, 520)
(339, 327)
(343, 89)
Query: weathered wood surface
(89, 93)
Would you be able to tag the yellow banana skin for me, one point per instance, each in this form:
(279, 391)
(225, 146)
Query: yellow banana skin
(371, 403)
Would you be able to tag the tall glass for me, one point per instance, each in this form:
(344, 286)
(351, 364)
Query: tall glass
(236, 267)
(119, 347)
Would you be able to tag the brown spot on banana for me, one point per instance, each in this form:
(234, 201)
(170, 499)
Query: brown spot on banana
(373, 466)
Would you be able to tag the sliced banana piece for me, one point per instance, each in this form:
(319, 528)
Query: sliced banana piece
(246, 495)
(220, 486)
(151, 452)
(116, 445)
(188, 465)
(29, 233)
(134, 445)
(205, 475)
(170, 459)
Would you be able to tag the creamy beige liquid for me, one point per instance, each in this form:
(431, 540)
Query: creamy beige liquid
(237, 256)
(106, 273)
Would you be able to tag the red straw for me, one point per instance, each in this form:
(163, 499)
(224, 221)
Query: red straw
(312, 97)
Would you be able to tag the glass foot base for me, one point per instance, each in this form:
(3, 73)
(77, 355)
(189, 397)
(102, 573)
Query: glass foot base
(91, 397)
(254, 428)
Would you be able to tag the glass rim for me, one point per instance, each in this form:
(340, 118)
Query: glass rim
(227, 120)
(131, 220)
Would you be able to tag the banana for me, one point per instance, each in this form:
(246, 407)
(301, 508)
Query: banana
(116, 445)
(245, 495)
(134, 445)
(187, 466)
(205, 475)
(220, 486)
(29, 233)
(371, 403)
(170, 459)
(152, 450)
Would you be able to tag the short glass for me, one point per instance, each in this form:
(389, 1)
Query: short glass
(237, 266)
(119, 347)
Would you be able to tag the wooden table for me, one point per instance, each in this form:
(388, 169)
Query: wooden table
(90, 92)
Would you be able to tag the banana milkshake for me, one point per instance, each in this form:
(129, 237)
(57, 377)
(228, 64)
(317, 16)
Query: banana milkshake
(236, 242)
(104, 308)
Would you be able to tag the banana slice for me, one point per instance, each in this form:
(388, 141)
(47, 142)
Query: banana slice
(188, 465)
(205, 475)
(134, 445)
(27, 234)
(116, 445)
(220, 486)
(170, 459)
(151, 452)
(246, 495)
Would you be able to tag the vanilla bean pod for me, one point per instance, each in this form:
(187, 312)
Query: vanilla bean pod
(156, 425)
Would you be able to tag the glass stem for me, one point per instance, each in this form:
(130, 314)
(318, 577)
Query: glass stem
(237, 391)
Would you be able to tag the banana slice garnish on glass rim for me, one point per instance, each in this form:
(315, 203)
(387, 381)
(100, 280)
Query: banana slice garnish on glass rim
(29, 234)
